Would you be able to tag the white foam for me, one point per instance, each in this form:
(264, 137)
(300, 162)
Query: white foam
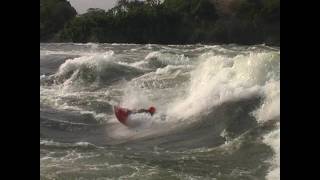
(170, 59)
(138, 64)
(139, 120)
(166, 69)
(122, 44)
(59, 144)
(133, 99)
(270, 109)
(72, 52)
(273, 139)
(152, 55)
(96, 62)
(218, 79)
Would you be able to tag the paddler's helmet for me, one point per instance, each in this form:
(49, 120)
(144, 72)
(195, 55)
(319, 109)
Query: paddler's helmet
(152, 110)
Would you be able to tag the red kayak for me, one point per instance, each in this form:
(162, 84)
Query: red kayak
(121, 114)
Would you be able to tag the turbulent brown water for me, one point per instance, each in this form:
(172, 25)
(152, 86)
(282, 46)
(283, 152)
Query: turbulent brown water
(218, 111)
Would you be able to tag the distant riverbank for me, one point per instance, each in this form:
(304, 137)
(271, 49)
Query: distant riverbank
(171, 22)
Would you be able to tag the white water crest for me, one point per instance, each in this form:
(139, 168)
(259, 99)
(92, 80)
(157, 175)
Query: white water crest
(211, 102)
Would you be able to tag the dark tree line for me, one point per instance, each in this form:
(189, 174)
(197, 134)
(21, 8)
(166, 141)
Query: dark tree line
(173, 22)
(54, 14)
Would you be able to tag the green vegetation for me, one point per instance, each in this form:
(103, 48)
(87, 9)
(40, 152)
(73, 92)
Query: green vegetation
(176, 22)
(53, 16)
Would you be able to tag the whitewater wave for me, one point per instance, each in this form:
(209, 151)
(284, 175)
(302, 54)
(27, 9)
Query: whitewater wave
(53, 144)
(214, 101)
(218, 79)
(159, 59)
(100, 69)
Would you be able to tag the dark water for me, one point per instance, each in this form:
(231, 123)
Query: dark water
(218, 112)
